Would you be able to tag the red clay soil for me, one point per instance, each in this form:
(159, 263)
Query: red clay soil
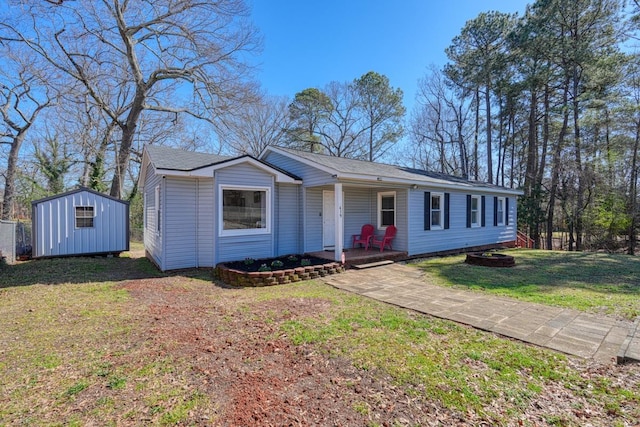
(239, 358)
(256, 376)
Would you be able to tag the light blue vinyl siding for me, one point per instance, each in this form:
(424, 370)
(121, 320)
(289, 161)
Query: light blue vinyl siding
(205, 231)
(357, 212)
(287, 212)
(400, 241)
(188, 230)
(458, 236)
(233, 248)
(152, 239)
(313, 220)
(55, 228)
(311, 176)
(180, 220)
(360, 207)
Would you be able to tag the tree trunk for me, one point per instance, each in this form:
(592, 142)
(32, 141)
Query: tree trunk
(464, 160)
(555, 174)
(10, 176)
(476, 135)
(578, 159)
(545, 138)
(532, 147)
(124, 153)
(487, 102)
(633, 192)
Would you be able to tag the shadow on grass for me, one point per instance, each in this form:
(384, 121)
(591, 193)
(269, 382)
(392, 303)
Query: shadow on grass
(79, 270)
(544, 271)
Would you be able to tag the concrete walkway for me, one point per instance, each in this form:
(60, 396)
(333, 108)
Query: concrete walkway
(565, 330)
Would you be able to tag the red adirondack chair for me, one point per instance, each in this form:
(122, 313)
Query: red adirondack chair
(385, 240)
(364, 238)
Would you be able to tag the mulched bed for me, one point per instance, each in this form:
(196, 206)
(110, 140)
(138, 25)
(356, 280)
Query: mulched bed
(287, 263)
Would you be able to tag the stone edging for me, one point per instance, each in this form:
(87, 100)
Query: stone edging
(278, 277)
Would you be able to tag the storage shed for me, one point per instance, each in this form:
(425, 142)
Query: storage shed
(79, 222)
(8, 241)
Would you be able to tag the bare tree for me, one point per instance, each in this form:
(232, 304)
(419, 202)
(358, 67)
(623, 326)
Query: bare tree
(439, 126)
(131, 57)
(343, 132)
(257, 126)
(22, 99)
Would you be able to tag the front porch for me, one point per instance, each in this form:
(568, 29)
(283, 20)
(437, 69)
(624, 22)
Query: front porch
(335, 213)
(360, 256)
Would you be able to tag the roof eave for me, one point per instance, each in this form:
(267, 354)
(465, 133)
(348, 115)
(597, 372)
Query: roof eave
(207, 171)
(424, 183)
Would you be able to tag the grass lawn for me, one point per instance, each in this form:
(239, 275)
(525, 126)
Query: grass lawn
(593, 282)
(111, 341)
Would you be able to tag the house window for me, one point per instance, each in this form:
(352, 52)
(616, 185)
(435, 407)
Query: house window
(84, 216)
(157, 209)
(144, 211)
(475, 211)
(386, 209)
(244, 211)
(437, 211)
(500, 204)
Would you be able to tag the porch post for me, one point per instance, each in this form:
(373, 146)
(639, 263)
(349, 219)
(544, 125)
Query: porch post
(339, 219)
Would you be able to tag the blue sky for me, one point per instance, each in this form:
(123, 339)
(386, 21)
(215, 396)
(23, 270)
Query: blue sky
(310, 43)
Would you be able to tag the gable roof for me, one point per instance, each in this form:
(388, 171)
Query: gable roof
(181, 160)
(80, 189)
(177, 162)
(351, 169)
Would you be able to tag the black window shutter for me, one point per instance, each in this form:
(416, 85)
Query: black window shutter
(495, 211)
(427, 210)
(506, 211)
(483, 217)
(446, 211)
(468, 210)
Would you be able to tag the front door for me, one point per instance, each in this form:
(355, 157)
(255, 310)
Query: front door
(328, 220)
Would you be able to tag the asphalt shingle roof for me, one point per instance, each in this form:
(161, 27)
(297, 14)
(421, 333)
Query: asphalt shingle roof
(382, 170)
(181, 160)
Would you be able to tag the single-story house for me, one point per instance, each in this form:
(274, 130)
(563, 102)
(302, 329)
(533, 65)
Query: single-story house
(79, 222)
(202, 209)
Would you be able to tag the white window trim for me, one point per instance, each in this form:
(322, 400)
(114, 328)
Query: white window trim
(75, 216)
(157, 211)
(249, 231)
(441, 196)
(478, 222)
(501, 217)
(144, 211)
(395, 211)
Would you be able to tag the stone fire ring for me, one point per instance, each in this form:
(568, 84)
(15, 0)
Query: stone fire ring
(490, 259)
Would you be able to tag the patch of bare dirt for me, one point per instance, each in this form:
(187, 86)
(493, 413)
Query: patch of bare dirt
(242, 360)
(254, 373)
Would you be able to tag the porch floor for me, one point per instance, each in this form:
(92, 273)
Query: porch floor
(359, 256)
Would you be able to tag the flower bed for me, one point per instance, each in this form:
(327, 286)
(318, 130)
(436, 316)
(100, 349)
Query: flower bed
(275, 271)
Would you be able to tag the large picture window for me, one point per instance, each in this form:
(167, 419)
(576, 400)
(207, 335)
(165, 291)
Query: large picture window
(244, 211)
(84, 216)
(386, 209)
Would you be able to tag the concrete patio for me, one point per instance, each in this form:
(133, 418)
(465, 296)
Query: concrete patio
(569, 331)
